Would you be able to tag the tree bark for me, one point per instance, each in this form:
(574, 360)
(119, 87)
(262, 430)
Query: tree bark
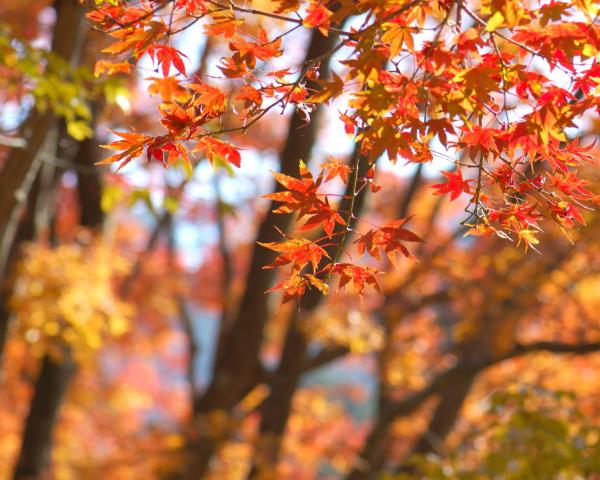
(50, 388)
(276, 409)
(445, 415)
(89, 185)
(370, 459)
(25, 233)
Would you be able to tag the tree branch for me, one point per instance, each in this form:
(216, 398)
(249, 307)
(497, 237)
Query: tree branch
(375, 444)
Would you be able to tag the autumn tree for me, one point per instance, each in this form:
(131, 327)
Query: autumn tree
(430, 218)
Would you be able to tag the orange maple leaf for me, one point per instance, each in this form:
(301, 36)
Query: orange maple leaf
(166, 56)
(318, 16)
(454, 185)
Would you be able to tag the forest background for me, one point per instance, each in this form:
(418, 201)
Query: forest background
(299, 239)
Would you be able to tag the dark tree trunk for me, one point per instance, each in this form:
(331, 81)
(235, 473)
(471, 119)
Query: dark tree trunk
(276, 409)
(445, 415)
(50, 388)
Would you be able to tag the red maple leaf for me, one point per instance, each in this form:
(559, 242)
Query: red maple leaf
(301, 193)
(216, 149)
(299, 252)
(318, 16)
(166, 56)
(389, 237)
(454, 185)
(361, 277)
(335, 168)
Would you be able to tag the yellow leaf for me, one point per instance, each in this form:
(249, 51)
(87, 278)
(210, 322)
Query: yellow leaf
(79, 130)
(494, 22)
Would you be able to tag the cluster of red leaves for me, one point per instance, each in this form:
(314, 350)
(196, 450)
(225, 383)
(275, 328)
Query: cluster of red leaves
(483, 90)
(302, 197)
(190, 111)
(388, 237)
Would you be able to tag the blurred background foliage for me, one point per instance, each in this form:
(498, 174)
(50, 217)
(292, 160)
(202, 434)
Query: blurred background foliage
(479, 360)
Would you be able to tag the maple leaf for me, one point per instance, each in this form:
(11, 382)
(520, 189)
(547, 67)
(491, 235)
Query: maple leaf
(469, 41)
(246, 53)
(137, 39)
(454, 184)
(335, 168)
(397, 35)
(528, 237)
(518, 217)
(296, 94)
(325, 216)
(132, 144)
(388, 237)
(110, 68)
(212, 100)
(329, 89)
(266, 49)
(216, 149)
(383, 137)
(571, 185)
(440, 127)
(301, 196)
(166, 56)
(459, 98)
(552, 11)
(287, 5)
(299, 252)
(318, 284)
(479, 139)
(481, 79)
(166, 151)
(318, 16)
(110, 16)
(566, 214)
(361, 277)
(480, 230)
(301, 193)
(250, 96)
(370, 179)
(193, 7)
(223, 26)
(279, 74)
(176, 118)
(349, 123)
(168, 88)
(234, 67)
(293, 287)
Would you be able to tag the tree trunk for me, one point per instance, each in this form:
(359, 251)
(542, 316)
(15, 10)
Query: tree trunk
(445, 415)
(276, 409)
(50, 388)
